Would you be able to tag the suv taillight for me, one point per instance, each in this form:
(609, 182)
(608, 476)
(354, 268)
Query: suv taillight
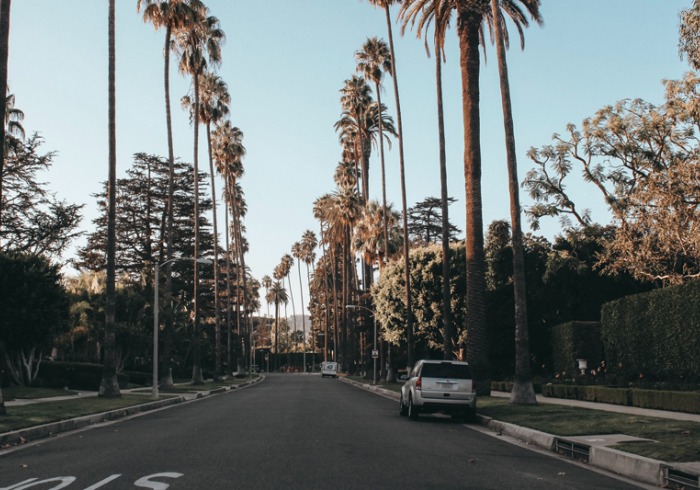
(419, 383)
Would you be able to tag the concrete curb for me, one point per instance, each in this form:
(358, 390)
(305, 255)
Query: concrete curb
(632, 466)
(22, 436)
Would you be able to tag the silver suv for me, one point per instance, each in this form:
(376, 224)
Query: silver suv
(439, 386)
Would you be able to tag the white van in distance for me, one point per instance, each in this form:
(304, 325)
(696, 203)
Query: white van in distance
(329, 369)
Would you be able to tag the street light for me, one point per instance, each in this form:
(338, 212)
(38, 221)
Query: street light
(375, 353)
(154, 389)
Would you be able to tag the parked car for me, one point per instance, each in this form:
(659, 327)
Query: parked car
(439, 386)
(329, 369)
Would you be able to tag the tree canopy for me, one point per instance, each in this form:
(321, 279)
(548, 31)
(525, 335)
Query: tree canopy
(643, 160)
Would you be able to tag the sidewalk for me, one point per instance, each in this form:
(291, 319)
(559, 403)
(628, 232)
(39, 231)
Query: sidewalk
(593, 449)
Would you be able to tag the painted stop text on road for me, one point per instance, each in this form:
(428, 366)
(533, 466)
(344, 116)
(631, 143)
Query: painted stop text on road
(154, 481)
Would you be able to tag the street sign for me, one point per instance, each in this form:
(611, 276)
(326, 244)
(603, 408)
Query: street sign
(375, 353)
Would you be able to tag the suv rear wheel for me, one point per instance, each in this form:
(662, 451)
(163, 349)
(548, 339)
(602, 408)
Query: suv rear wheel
(403, 409)
(413, 411)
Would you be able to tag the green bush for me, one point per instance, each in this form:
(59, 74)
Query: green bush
(655, 335)
(678, 401)
(667, 400)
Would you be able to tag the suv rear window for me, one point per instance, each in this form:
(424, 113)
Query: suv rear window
(446, 370)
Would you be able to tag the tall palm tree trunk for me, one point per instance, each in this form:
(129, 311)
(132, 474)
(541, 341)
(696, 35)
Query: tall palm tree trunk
(385, 223)
(303, 320)
(217, 305)
(5, 7)
(477, 341)
(228, 293)
(241, 257)
(523, 390)
(402, 166)
(167, 372)
(109, 386)
(4, 55)
(448, 327)
(197, 377)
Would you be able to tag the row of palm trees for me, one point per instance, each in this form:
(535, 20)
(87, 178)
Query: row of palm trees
(196, 38)
(340, 212)
(277, 294)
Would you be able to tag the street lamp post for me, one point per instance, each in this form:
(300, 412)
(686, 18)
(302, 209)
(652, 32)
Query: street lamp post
(374, 347)
(156, 281)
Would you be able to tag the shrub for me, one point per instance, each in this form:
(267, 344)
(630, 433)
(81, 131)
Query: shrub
(576, 340)
(655, 335)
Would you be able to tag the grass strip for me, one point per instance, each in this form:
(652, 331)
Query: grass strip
(22, 416)
(29, 393)
(671, 440)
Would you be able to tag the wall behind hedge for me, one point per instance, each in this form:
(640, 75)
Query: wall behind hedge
(656, 334)
(576, 340)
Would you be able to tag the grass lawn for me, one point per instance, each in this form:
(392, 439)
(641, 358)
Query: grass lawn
(28, 393)
(673, 441)
(19, 417)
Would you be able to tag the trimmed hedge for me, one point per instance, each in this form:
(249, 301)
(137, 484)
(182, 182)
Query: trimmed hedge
(655, 335)
(74, 375)
(576, 340)
(676, 401)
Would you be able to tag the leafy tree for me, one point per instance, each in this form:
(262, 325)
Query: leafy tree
(689, 34)
(576, 286)
(34, 220)
(426, 295)
(33, 311)
(425, 222)
(141, 219)
(643, 161)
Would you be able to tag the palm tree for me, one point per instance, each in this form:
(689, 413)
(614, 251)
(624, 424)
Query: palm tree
(276, 295)
(109, 386)
(228, 151)
(373, 61)
(308, 247)
(267, 284)
(14, 131)
(285, 271)
(472, 17)
(298, 253)
(358, 131)
(449, 330)
(174, 15)
(385, 4)
(5, 7)
(213, 107)
(523, 391)
(356, 99)
(198, 42)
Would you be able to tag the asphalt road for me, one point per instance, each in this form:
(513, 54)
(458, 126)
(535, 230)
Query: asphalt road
(289, 432)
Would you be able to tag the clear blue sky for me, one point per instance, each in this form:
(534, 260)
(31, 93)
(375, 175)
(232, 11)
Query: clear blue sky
(284, 62)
